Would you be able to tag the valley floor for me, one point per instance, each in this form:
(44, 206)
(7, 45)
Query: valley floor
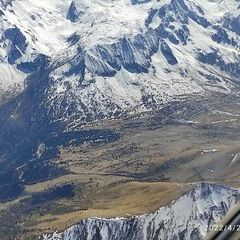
(159, 156)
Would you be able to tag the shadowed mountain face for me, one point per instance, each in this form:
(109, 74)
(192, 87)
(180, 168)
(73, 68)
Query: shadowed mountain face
(188, 217)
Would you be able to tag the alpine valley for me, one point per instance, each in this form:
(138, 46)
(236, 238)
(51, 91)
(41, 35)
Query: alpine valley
(119, 119)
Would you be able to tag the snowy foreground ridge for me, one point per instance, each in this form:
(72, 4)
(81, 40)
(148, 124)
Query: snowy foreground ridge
(93, 59)
(186, 218)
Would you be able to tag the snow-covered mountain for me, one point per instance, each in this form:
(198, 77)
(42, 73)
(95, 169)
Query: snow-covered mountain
(63, 61)
(99, 58)
(188, 217)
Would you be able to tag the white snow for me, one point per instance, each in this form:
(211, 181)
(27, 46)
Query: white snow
(102, 25)
(235, 159)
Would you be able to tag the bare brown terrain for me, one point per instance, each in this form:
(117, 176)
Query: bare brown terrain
(159, 156)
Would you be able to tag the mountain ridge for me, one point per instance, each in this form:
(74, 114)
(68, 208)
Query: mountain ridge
(203, 206)
(101, 74)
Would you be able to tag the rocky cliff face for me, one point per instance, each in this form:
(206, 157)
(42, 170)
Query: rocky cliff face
(188, 217)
